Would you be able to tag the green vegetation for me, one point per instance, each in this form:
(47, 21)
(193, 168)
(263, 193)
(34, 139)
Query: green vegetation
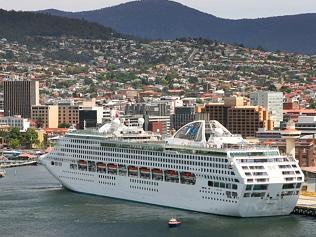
(19, 26)
(16, 139)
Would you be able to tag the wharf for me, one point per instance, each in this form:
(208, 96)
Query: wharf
(306, 205)
(11, 164)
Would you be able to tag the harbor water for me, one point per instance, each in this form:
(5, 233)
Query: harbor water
(33, 204)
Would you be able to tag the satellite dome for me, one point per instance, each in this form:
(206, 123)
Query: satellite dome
(141, 121)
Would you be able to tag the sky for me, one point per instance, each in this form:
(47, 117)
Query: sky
(233, 9)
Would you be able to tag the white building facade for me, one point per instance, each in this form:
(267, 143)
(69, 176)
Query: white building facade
(15, 122)
(272, 101)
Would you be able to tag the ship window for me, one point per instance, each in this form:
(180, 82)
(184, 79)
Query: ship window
(248, 187)
(210, 183)
(247, 195)
(288, 186)
(260, 187)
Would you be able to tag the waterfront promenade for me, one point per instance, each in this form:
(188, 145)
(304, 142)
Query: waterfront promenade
(308, 201)
(306, 205)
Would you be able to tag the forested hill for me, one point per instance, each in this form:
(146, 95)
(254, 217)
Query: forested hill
(162, 19)
(19, 25)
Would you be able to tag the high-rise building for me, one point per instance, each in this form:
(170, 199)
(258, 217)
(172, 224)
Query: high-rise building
(182, 116)
(236, 117)
(19, 96)
(1, 101)
(45, 116)
(272, 101)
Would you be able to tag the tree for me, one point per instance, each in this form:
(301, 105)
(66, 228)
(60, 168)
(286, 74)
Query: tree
(14, 143)
(39, 123)
(30, 137)
(64, 125)
(312, 104)
(14, 133)
(272, 87)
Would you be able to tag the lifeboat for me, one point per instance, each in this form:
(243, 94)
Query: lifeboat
(132, 169)
(101, 165)
(112, 166)
(157, 172)
(171, 173)
(82, 163)
(144, 170)
(187, 174)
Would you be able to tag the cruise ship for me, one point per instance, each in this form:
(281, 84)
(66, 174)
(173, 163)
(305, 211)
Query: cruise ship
(202, 167)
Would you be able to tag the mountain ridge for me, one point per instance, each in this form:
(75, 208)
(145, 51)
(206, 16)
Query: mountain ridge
(18, 25)
(153, 19)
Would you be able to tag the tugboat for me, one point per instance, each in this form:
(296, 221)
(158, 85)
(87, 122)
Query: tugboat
(173, 222)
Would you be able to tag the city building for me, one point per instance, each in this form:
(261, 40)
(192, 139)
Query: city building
(45, 116)
(305, 150)
(272, 102)
(155, 108)
(1, 101)
(15, 122)
(68, 114)
(307, 125)
(159, 124)
(293, 114)
(99, 111)
(19, 96)
(87, 118)
(235, 116)
(182, 116)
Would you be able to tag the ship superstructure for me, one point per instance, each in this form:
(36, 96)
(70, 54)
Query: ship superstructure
(203, 167)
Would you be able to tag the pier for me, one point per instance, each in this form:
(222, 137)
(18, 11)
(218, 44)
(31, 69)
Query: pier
(11, 163)
(306, 205)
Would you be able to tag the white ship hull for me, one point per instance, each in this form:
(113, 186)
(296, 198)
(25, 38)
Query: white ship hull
(175, 195)
(193, 174)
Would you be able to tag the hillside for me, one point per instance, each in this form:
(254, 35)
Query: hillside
(19, 25)
(162, 19)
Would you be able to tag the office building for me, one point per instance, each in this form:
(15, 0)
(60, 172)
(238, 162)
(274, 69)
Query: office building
(236, 117)
(87, 119)
(154, 108)
(182, 116)
(1, 101)
(272, 102)
(45, 116)
(68, 114)
(19, 96)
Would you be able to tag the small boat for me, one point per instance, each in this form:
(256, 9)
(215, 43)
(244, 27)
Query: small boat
(101, 165)
(112, 166)
(2, 173)
(132, 169)
(173, 222)
(82, 163)
(144, 170)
